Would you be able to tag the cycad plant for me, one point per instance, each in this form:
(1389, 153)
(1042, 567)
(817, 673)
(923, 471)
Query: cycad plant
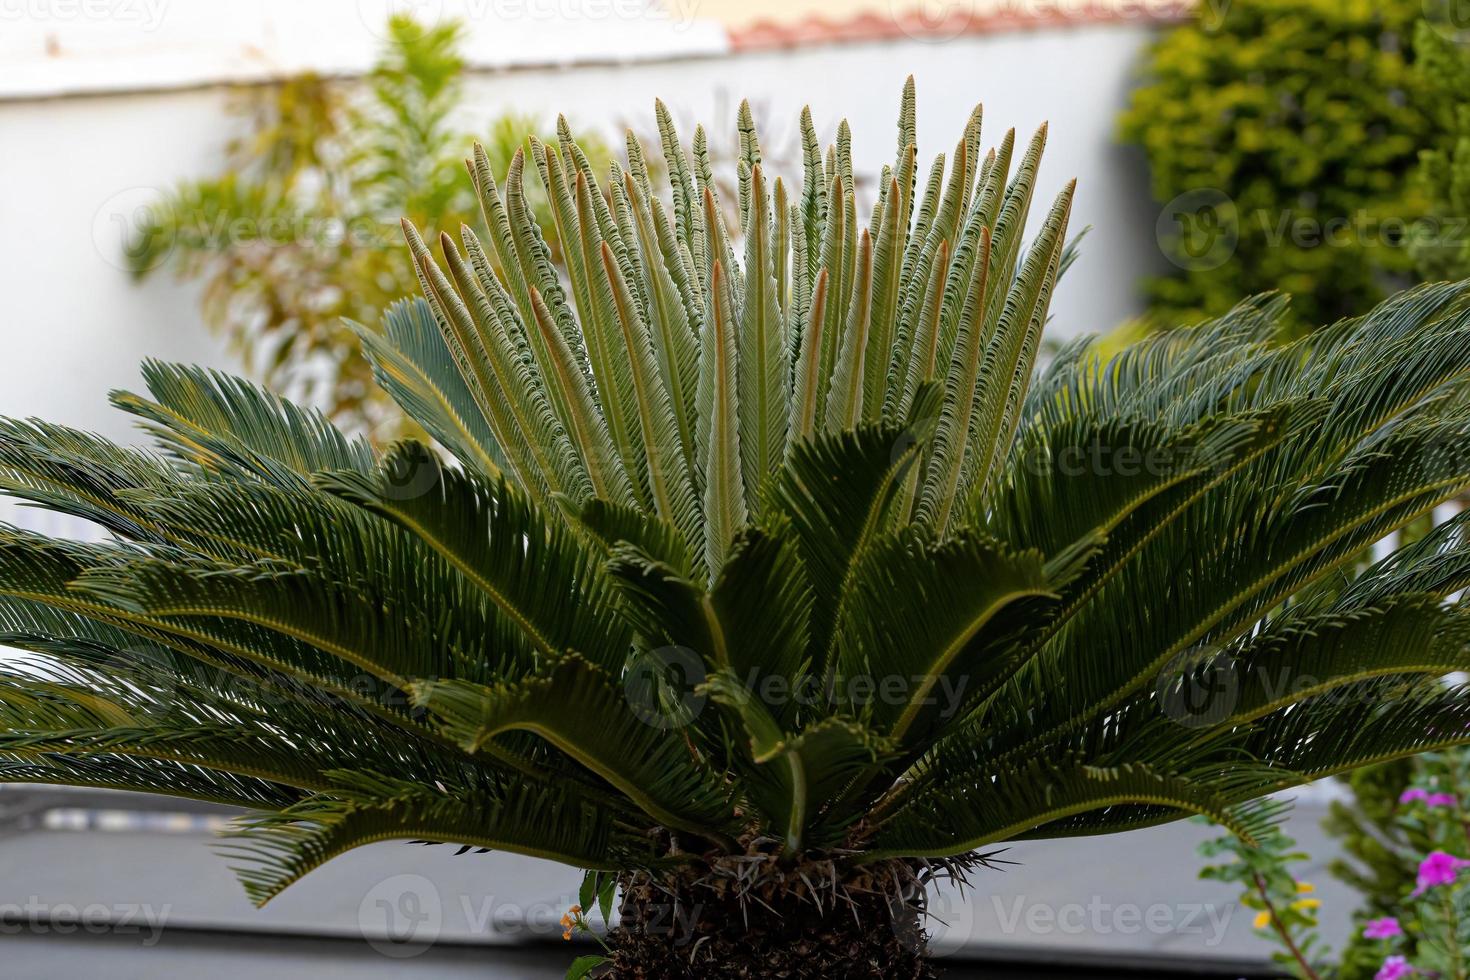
(765, 589)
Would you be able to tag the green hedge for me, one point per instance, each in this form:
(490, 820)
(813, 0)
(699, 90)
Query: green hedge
(1281, 136)
(1441, 247)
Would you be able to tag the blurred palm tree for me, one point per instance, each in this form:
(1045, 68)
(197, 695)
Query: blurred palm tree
(301, 229)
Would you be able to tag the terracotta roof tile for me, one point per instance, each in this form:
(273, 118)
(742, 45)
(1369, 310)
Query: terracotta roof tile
(958, 20)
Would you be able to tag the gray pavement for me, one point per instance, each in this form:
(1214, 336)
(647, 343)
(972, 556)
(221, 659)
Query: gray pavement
(163, 899)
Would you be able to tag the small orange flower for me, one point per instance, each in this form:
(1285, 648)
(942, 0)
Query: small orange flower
(569, 921)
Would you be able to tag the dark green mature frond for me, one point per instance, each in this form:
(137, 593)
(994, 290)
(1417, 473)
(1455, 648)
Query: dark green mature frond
(102, 771)
(763, 602)
(79, 474)
(272, 850)
(37, 572)
(305, 606)
(611, 524)
(760, 534)
(585, 714)
(1046, 501)
(959, 818)
(1374, 721)
(1438, 563)
(532, 568)
(959, 605)
(225, 424)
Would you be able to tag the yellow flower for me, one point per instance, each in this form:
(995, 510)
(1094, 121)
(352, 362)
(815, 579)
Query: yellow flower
(1307, 903)
(1263, 919)
(1305, 888)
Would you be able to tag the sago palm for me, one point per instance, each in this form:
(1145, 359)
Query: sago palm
(766, 589)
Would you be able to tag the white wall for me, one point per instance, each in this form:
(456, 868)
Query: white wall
(73, 325)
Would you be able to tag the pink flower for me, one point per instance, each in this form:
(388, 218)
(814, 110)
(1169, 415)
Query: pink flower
(1385, 928)
(1438, 868)
(1393, 968)
(1442, 799)
(1410, 795)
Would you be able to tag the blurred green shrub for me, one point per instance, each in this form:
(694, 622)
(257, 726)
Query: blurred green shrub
(302, 228)
(1441, 247)
(1280, 135)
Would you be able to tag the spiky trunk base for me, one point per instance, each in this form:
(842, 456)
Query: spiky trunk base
(751, 920)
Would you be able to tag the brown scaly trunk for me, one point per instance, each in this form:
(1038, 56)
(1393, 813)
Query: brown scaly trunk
(752, 919)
